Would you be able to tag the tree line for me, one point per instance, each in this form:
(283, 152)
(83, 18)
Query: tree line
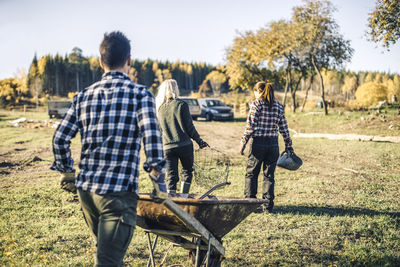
(57, 76)
(51, 76)
(306, 52)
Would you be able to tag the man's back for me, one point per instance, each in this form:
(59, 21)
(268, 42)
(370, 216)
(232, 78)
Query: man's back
(111, 116)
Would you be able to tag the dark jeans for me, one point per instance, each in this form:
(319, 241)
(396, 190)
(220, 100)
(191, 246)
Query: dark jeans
(264, 152)
(112, 220)
(185, 155)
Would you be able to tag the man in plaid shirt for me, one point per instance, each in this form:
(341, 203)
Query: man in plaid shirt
(266, 117)
(113, 116)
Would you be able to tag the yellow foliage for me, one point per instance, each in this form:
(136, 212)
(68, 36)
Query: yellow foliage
(393, 87)
(72, 94)
(353, 105)
(42, 65)
(195, 95)
(371, 93)
(350, 84)
(43, 100)
(310, 105)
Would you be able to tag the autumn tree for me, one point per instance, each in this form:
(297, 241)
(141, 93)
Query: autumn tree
(205, 88)
(21, 78)
(13, 90)
(371, 93)
(35, 84)
(323, 44)
(246, 62)
(161, 75)
(384, 22)
(282, 47)
(217, 79)
(8, 91)
(95, 68)
(393, 86)
(350, 85)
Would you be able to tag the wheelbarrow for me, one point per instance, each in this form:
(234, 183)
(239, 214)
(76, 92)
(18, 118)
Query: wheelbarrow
(193, 222)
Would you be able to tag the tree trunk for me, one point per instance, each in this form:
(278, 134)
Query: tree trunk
(321, 81)
(288, 81)
(77, 81)
(37, 95)
(308, 89)
(293, 91)
(57, 82)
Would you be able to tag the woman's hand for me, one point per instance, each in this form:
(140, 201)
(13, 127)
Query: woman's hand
(202, 144)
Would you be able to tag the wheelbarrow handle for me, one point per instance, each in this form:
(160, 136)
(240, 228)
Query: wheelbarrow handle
(194, 225)
(214, 188)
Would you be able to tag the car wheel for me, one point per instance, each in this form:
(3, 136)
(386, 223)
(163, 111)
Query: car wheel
(208, 117)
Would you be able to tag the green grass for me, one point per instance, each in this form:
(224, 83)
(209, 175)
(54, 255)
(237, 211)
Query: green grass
(370, 122)
(341, 208)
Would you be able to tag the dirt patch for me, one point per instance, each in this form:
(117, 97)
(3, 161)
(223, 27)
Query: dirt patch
(221, 136)
(18, 162)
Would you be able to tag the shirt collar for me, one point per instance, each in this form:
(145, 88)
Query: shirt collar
(114, 75)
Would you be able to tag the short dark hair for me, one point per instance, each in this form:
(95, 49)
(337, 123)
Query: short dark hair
(115, 49)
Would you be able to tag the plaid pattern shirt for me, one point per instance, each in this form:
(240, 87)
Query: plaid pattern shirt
(113, 116)
(265, 122)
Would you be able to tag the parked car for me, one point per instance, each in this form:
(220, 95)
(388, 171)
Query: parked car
(194, 106)
(215, 109)
(58, 108)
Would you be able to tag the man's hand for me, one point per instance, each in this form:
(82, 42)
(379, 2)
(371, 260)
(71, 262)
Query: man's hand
(68, 182)
(202, 144)
(160, 188)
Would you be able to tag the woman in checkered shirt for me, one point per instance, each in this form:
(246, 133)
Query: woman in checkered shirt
(266, 118)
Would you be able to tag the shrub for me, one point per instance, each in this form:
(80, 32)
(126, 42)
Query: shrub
(370, 94)
(72, 94)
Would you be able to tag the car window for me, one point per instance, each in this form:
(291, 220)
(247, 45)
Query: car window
(214, 103)
(60, 104)
(191, 102)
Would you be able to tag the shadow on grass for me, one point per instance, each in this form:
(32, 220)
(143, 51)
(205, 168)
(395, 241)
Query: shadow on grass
(331, 211)
(4, 117)
(240, 119)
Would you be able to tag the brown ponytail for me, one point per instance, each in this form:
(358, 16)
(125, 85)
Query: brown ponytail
(267, 92)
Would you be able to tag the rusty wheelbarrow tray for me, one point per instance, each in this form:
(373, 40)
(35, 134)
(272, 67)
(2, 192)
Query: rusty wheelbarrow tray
(192, 223)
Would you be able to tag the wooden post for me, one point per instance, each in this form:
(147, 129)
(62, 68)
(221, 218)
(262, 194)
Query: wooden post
(243, 109)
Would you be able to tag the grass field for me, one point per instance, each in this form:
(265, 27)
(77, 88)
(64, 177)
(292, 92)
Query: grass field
(341, 208)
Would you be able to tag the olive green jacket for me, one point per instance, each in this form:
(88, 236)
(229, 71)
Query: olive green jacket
(176, 124)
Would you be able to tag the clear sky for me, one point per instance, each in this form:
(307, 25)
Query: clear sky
(187, 30)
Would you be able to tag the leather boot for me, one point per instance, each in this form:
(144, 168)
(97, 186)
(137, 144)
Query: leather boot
(185, 187)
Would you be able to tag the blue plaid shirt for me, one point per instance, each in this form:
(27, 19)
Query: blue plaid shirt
(113, 116)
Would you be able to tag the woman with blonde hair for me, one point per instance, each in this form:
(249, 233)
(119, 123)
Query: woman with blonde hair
(266, 117)
(177, 130)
